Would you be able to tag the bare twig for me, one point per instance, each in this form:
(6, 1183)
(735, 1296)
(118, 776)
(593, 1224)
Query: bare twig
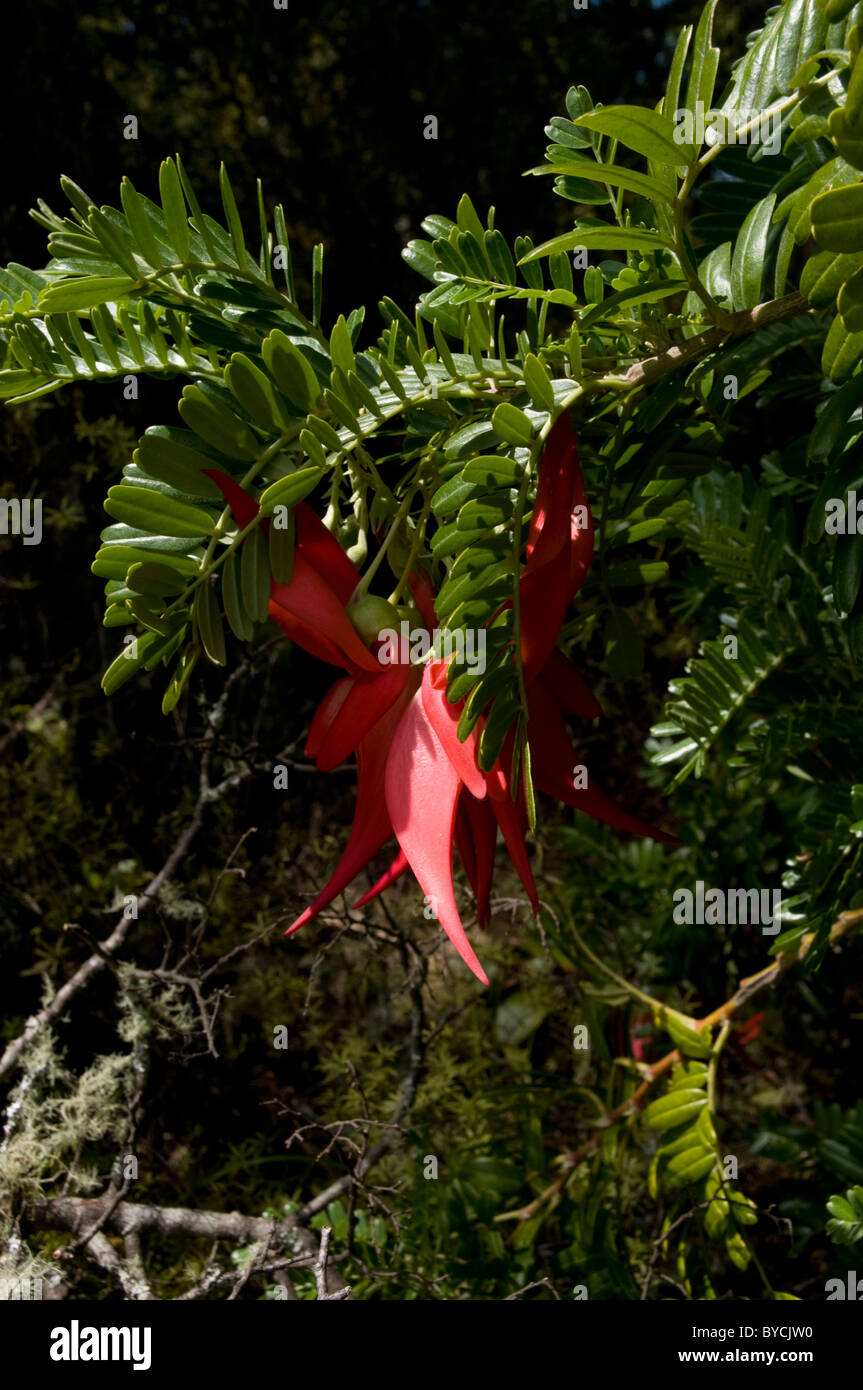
(82, 1214)
(320, 1270)
(528, 1288)
(104, 951)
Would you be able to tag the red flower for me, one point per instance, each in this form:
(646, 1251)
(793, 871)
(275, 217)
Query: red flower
(416, 781)
(311, 609)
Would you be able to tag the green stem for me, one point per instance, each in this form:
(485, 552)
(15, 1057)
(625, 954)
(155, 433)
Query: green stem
(417, 541)
(719, 315)
(363, 586)
(612, 975)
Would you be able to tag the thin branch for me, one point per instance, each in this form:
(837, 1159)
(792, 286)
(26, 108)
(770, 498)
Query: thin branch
(321, 1282)
(744, 321)
(745, 991)
(108, 948)
(99, 959)
(81, 1214)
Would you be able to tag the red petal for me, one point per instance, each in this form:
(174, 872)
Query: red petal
(243, 507)
(370, 697)
(550, 522)
(553, 758)
(443, 717)
(464, 841)
(371, 825)
(325, 714)
(483, 826)
(310, 600)
(559, 549)
(543, 602)
(512, 819)
(306, 635)
(570, 690)
(397, 868)
(422, 790)
(320, 547)
(311, 608)
(581, 538)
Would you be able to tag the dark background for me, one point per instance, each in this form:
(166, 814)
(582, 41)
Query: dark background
(325, 103)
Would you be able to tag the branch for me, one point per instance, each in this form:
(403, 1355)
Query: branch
(744, 321)
(101, 956)
(745, 991)
(129, 1274)
(129, 1219)
(104, 952)
(321, 1270)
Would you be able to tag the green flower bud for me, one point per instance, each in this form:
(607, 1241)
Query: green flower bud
(370, 614)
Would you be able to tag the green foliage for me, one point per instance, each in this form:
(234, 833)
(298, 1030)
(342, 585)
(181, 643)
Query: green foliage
(846, 1212)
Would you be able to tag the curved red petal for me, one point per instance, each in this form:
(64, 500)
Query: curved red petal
(581, 538)
(550, 522)
(320, 547)
(243, 507)
(397, 868)
(371, 826)
(553, 759)
(464, 842)
(559, 547)
(483, 826)
(309, 599)
(443, 717)
(370, 697)
(326, 712)
(422, 790)
(310, 610)
(307, 636)
(542, 605)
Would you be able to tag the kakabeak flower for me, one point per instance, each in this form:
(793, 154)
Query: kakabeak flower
(415, 779)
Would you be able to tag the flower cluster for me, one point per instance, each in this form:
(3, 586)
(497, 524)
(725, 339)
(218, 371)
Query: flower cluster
(417, 781)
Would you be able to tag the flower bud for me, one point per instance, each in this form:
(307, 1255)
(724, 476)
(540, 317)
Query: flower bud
(370, 614)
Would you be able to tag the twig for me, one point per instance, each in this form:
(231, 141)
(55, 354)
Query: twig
(133, 1284)
(745, 991)
(249, 1267)
(528, 1288)
(81, 1214)
(320, 1270)
(744, 321)
(103, 953)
